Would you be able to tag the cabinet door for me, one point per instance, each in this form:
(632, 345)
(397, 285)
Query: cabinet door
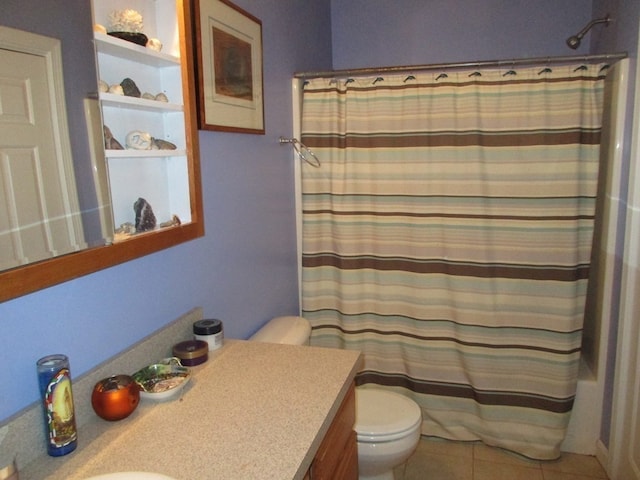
(337, 457)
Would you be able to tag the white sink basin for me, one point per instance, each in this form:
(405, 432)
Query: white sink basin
(131, 476)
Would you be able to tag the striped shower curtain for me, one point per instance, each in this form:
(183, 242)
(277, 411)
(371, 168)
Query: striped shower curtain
(447, 235)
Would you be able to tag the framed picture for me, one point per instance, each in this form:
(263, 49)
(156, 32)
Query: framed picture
(229, 62)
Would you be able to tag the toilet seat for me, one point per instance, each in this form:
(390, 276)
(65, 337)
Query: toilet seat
(384, 416)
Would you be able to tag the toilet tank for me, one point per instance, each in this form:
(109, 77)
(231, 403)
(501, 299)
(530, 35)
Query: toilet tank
(288, 330)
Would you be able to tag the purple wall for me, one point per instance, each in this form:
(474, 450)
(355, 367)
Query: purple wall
(371, 33)
(243, 271)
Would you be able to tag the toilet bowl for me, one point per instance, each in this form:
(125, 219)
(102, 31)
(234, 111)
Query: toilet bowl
(387, 423)
(388, 431)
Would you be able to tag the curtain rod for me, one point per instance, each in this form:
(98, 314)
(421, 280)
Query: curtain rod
(485, 63)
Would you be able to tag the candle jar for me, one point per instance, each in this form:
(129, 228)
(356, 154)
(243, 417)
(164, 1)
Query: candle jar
(54, 379)
(210, 331)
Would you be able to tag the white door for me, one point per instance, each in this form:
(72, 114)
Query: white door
(39, 217)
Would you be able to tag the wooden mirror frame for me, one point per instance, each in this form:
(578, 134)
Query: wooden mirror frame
(36, 276)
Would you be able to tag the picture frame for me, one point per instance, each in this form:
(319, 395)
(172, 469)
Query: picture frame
(230, 70)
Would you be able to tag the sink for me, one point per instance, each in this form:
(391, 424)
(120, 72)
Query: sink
(131, 476)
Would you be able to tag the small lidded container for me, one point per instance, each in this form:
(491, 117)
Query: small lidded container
(210, 331)
(191, 352)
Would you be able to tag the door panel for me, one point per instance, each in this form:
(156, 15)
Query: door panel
(34, 199)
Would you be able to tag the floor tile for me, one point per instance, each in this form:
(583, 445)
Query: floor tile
(438, 446)
(437, 459)
(584, 465)
(498, 455)
(563, 476)
(440, 467)
(483, 470)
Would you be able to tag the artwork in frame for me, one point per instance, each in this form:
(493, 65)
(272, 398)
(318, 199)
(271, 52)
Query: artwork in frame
(229, 61)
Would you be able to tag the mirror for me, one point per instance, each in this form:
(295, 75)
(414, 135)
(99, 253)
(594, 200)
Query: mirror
(71, 22)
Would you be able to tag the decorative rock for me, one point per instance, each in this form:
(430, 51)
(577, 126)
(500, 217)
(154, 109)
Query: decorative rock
(138, 140)
(161, 97)
(154, 44)
(175, 221)
(145, 219)
(103, 86)
(148, 96)
(133, 37)
(130, 88)
(116, 90)
(110, 143)
(99, 28)
(159, 144)
(126, 228)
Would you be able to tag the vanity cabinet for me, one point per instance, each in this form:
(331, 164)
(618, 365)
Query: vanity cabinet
(337, 457)
(161, 174)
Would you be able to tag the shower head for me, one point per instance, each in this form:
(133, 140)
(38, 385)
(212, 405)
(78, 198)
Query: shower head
(574, 40)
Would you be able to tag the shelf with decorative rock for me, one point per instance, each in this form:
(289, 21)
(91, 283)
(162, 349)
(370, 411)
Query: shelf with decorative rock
(113, 100)
(130, 51)
(130, 153)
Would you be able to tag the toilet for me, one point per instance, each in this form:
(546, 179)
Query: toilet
(388, 431)
(387, 423)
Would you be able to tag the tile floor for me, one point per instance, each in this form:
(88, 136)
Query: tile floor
(436, 459)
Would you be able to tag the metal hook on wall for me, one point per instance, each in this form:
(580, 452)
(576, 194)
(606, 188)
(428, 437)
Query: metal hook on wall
(300, 147)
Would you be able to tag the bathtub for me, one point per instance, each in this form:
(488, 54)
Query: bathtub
(583, 431)
(599, 339)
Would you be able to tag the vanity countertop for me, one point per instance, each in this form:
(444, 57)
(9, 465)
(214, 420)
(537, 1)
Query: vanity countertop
(252, 411)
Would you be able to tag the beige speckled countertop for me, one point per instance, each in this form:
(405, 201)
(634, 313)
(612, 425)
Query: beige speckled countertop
(252, 411)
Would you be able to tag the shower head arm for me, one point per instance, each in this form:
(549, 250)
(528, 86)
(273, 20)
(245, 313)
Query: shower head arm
(574, 41)
(584, 31)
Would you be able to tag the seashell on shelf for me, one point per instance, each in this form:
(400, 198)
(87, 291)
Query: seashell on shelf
(175, 221)
(161, 97)
(159, 144)
(138, 140)
(126, 228)
(116, 89)
(103, 86)
(148, 96)
(145, 219)
(154, 44)
(99, 28)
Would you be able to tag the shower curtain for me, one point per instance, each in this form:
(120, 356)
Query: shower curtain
(447, 235)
